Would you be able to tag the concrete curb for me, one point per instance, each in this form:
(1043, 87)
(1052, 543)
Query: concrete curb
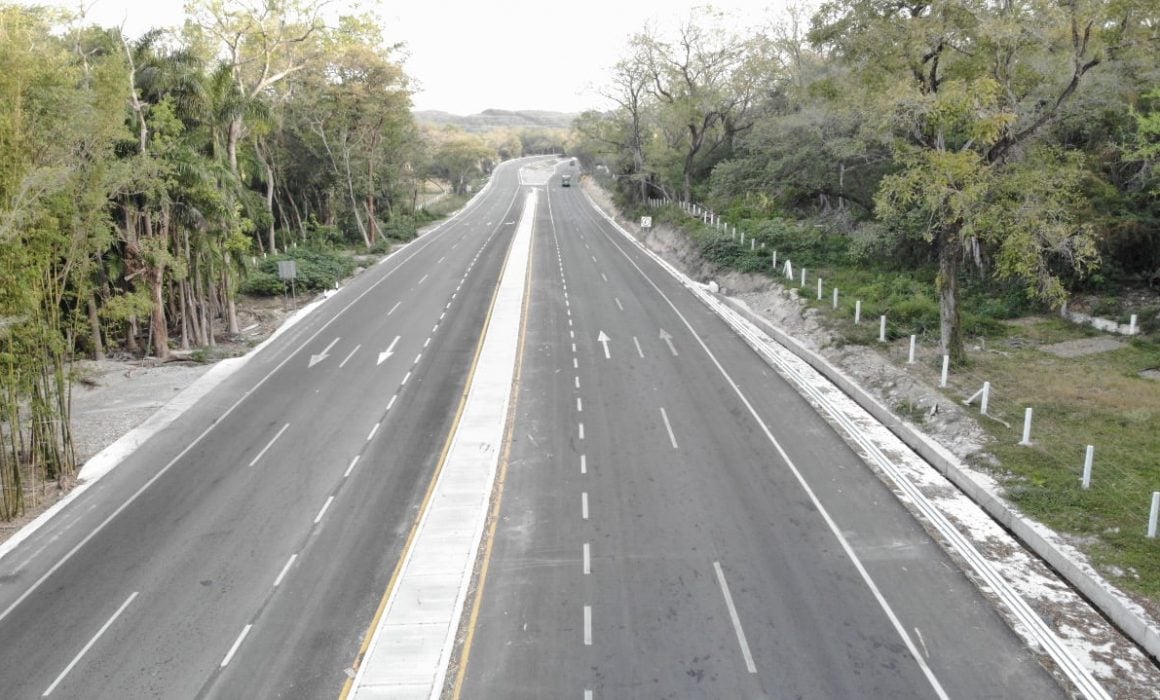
(1130, 617)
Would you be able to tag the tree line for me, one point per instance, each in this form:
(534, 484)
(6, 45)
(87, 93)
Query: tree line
(1017, 140)
(138, 176)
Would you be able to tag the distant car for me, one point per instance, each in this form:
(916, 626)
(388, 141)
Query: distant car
(565, 180)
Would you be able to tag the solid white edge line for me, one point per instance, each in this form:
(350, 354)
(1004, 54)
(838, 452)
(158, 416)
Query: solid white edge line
(285, 570)
(669, 427)
(735, 618)
(882, 602)
(24, 532)
(85, 649)
(318, 518)
(237, 645)
(587, 625)
(269, 445)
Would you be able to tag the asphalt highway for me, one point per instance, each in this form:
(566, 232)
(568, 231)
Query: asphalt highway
(243, 551)
(674, 520)
(678, 522)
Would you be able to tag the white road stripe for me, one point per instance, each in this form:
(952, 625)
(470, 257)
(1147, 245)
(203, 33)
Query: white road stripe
(237, 644)
(669, 427)
(736, 620)
(577, 381)
(394, 307)
(637, 344)
(587, 625)
(593, 258)
(579, 405)
(427, 342)
(269, 445)
(583, 464)
(373, 431)
(423, 279)
(584, 505)
(572, 334)
(575, 363)
(392, 401)
(351, 467)
(417, 358)
(440, 259)
(587, 694)
(581, 431)
(405, 378)
(90, 644)
(587, 560)
(604, 276)
(352, 352)
(318, 518)
(573, 348)
(285, 569)
(618, 304)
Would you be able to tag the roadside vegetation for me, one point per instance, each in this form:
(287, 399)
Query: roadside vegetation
(146, 182)
(964, 169)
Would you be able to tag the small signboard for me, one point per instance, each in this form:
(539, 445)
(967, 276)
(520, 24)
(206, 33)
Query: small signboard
(646, 222)
(287, 269)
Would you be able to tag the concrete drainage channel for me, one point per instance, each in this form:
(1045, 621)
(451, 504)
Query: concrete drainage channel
(876, 433)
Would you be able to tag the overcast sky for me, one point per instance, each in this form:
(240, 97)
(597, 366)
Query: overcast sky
(469, 56)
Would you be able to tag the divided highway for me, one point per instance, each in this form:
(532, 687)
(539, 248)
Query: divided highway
(674, 520)
(677, 521)
(242, 552)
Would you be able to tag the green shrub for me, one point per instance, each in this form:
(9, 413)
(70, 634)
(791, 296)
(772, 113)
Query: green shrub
(317, 269)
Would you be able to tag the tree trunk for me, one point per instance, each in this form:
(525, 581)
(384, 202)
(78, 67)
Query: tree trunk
(157, 318)
(233, 135)
(950, 255)
(95, 330)
(184, 303)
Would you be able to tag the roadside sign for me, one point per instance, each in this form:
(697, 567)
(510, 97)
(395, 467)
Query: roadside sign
(646, 222)
(287, 269)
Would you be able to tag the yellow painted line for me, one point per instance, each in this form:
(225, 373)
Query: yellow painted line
(501, 477)
(366, 643)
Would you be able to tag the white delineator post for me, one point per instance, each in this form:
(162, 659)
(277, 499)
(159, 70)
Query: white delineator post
(803, 277)
(945, 370)
(986, 396)
(1026, 441)
(910, 359)
(835, 297)
(857, 312)
(1154, 515)
(819, 289)
(882, 329)
(1132, 325)
(1087, 466)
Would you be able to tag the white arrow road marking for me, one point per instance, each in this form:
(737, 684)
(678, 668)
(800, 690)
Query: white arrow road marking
(603, 339)
(388, 352)
(668, 339)
(315, 359)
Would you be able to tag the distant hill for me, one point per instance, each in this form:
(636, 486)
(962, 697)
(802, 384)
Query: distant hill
(498, 118)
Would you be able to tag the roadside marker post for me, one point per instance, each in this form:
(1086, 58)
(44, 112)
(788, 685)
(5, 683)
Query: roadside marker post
(1026, 441)
(1154, 515)
(1089, 454)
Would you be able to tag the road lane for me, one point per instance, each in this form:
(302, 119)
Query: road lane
(257, 485)
(694, 499)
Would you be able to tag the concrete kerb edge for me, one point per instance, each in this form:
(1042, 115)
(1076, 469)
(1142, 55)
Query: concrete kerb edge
(1128, 616)
(112, 455)
(1112, 603)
